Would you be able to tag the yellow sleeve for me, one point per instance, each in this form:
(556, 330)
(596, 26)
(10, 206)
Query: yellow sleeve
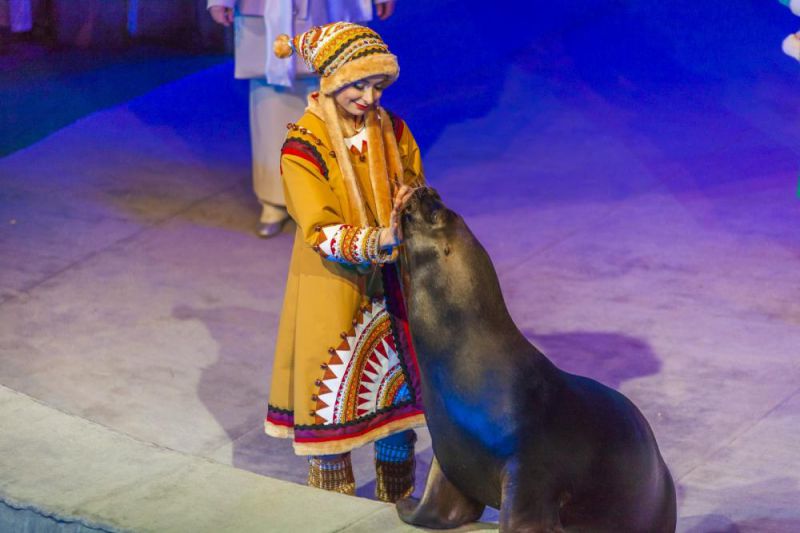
(316, 209)
(309, 199)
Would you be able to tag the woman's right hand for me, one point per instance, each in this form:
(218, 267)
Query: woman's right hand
(393, 235)
(221, 15)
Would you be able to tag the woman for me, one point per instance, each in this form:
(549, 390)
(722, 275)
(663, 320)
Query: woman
(344, 372)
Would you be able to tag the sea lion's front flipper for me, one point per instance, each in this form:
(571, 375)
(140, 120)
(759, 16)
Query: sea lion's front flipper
(529, 502)
(442, 506)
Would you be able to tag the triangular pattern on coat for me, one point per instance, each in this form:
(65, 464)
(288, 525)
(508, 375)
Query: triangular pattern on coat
(359, 364)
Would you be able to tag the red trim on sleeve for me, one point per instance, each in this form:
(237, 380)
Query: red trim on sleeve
(303, 155)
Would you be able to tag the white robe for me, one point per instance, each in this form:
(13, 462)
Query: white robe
(284, 16)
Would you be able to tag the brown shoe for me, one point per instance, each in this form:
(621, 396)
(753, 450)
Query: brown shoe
(334, 474)
(394, 481)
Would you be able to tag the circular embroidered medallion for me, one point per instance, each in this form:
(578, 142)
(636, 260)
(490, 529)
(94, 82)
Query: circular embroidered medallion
(365, 373)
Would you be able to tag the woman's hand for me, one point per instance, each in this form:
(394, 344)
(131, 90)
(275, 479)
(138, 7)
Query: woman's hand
(221, 15)
(384, 10)
(393, 235)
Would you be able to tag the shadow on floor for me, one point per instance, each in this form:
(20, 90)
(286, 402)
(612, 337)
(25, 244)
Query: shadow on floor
(609, 358)
(233, 388)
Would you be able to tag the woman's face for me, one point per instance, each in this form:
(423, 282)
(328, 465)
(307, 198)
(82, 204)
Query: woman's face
(356, 98)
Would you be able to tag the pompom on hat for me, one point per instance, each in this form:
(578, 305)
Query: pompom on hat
(341, 53)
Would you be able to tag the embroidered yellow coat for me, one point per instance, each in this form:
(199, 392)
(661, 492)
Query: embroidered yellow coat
(344, 373)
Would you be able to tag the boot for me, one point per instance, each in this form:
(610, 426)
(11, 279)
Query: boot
(332, 472)
(394, 467)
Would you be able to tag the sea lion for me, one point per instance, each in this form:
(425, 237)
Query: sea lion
(551, 450)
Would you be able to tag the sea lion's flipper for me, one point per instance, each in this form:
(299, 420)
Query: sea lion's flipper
(442, 506)
(528, 502)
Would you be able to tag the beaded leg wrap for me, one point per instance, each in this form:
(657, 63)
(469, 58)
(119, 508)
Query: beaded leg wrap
(334, 473)
(394, 468)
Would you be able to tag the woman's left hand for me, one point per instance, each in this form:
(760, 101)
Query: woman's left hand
(393, 235)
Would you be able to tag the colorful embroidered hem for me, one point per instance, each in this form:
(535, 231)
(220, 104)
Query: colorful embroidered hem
(279, 422)
(351, 245)
(319, 446)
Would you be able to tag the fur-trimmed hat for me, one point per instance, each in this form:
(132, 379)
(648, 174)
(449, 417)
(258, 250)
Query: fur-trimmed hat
(341, 53)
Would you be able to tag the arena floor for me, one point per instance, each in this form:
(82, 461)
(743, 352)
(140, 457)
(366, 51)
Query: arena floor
(642, 215)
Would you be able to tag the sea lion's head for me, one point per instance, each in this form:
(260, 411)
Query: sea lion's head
(430, 251)
(428, 226)
(435, 238)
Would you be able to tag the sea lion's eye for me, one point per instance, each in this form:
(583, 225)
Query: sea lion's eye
(446, 250)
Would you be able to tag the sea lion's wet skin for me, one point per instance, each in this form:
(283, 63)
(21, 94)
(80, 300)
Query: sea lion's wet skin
(553, 451)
